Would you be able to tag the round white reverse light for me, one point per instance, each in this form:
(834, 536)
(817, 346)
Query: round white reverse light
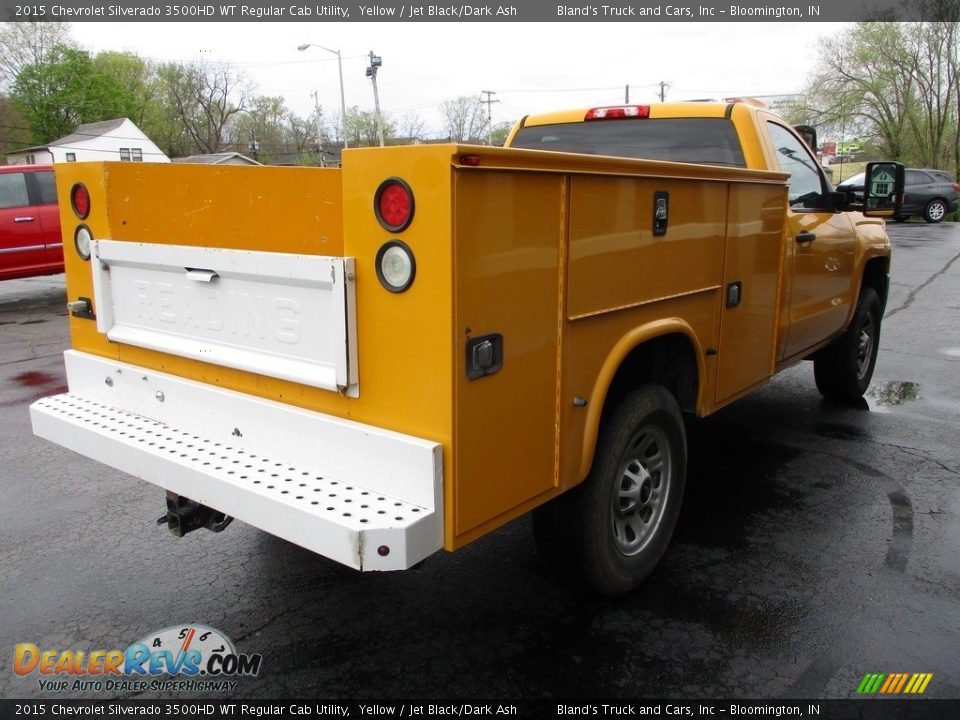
(396, 267)
(81, 241)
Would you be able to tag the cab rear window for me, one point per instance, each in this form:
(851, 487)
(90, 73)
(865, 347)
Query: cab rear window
(709, 141)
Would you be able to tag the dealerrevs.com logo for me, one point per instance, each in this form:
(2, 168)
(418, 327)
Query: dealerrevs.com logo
(181, 658)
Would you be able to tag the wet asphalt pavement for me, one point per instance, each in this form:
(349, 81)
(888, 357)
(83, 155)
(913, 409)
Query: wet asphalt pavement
(816, 544)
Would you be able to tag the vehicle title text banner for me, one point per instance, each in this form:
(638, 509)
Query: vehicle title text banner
(446, 11)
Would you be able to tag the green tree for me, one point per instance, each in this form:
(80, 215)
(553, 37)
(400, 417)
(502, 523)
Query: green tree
(499, 133)
(64, 91)
(863, 85)
(895, 83)
(138, 80)
(267, 124)
(930, 47)
(14, 133)
(362, 128)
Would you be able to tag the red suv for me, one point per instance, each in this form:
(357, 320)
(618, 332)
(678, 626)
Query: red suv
(30, 242)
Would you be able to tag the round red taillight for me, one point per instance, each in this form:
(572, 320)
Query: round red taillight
(393, 205)
(80, 201)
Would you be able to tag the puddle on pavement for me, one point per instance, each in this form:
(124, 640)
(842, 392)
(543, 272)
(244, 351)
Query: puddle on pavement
(891, 394)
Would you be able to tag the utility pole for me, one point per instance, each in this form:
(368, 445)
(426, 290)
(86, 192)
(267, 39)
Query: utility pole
(663, 90)
(626, 94)
(375, 62)
(343, 101)
(318, 111)
(489, 101)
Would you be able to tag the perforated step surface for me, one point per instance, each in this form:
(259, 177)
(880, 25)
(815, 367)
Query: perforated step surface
(311, 509)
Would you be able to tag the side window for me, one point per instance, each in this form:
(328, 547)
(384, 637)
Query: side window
(794, 157)
(13, 190)
(48, 188)
(917, 177)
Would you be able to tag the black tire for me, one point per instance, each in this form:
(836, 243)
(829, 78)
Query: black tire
(844, 369)
(935, 211)
(612, 530)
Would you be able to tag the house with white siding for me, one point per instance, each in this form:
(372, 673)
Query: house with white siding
(116, 139)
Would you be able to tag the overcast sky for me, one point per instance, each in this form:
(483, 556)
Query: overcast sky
(530, 66)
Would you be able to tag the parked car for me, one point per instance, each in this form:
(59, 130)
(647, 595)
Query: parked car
(932, 194)
(30, 242)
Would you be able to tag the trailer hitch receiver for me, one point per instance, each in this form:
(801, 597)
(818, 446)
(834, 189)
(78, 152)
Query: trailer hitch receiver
(185, 515)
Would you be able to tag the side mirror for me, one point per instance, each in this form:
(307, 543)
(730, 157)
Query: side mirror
(883, 189)
(809, 135)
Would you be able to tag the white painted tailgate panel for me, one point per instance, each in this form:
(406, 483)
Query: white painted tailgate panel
(277, 314)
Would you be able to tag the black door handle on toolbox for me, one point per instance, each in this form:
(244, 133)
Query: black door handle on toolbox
(806, 237)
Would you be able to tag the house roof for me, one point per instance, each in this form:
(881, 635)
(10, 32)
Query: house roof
(216, 158)
(87, 131)
(82, 133)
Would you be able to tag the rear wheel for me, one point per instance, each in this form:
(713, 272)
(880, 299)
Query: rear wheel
(935, 211)
(843, 370)
(613, 529)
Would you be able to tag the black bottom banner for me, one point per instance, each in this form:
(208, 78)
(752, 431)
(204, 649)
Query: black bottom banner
(865, 709)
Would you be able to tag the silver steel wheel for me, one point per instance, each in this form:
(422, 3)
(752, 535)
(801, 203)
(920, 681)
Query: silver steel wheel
(936, 211)
(865, 345)
(643, 487)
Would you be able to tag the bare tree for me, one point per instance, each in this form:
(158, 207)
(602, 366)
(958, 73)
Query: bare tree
(28, 43)
(464, 118)
(300, 130)
(411, 128)
(203, 99)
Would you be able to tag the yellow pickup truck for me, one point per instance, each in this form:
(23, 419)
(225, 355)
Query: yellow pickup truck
(403, 354)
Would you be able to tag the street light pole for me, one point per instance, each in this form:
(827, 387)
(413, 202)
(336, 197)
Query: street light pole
(317, 115)
(343, 102)
(375, 63)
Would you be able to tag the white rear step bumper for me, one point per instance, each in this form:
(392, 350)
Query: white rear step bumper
(365, 497)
